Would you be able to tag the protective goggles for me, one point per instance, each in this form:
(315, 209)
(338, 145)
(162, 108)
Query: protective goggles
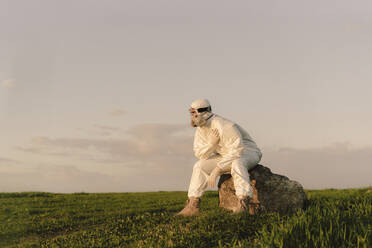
(200, 110)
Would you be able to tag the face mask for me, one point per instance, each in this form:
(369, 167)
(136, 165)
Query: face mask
(199, 119)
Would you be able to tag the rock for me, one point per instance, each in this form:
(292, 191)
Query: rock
(272, 192)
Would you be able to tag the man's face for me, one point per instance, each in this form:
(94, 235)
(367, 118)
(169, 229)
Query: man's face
(194, 116)
(197, 119)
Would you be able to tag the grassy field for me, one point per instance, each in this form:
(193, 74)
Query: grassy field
(333, 218)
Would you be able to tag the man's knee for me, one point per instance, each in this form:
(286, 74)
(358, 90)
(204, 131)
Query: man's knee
(202, 164)
(238, 163)
(198, 165)
(247, 162)
(253, 160)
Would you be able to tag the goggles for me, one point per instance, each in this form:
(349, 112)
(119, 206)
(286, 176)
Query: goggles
(200, 110)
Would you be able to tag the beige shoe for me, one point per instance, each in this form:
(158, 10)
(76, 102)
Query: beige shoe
(247, 204)
(254, 203)
(191, 208)
(254, 207)
(242, 205)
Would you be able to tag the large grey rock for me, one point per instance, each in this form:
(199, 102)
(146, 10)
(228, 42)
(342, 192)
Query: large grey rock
(272, 192)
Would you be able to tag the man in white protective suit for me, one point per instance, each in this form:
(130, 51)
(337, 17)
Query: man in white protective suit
(222, 146)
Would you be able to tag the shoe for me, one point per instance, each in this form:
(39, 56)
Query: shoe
(242, 205)
(254, 203)
(192, 207)
(253, 207)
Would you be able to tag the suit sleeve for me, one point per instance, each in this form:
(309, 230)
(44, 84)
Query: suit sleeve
(202, 149)
(233, 141)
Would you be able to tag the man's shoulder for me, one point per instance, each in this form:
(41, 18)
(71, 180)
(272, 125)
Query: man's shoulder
(219, 121)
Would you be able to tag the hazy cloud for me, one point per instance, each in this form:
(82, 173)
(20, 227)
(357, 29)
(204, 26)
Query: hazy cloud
(108, 128)
(2, 159)
(8, 161)
(117, 112)
(28, 149)
(148, 144)
(80, 147)
(56, 178)
(160, 157)
(99, 130)
(337, 166)
(8, 83)
(103, 130)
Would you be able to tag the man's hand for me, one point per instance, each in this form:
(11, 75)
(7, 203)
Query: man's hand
(213, 176)
(214, 137)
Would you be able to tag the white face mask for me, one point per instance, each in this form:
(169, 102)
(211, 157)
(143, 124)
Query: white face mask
(199, 119)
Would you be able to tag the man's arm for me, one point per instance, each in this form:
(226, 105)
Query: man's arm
(232, 140)
(203, 149)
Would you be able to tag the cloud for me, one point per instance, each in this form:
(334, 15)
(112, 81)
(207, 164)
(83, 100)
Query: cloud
(80, 148)
(8, 83)
(28, 149)
(56, 178)
(159, 157)
(8, 161)
(103, 130)
(336, 166)
(117, 112)
(99, 130)
(153, 145)
(108, 128)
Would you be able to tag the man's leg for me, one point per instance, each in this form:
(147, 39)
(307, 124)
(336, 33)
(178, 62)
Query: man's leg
(200, 174)
(198, 184)
(239, 172)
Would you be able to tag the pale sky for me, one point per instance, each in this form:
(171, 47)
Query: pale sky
(94, 95)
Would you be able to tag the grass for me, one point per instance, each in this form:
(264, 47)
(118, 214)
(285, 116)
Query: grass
(332, 218)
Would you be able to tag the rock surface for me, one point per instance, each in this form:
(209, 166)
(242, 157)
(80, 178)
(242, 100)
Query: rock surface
(272, 192)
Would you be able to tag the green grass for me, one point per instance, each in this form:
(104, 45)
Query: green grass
(333, 218)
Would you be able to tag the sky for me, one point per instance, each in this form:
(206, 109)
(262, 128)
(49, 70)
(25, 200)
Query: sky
(94, 95)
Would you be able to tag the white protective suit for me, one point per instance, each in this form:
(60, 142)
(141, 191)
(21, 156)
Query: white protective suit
(234, 153)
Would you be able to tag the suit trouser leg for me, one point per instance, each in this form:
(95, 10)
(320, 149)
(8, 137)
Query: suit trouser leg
(239, 173)
(200, 173)
(238, 169)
